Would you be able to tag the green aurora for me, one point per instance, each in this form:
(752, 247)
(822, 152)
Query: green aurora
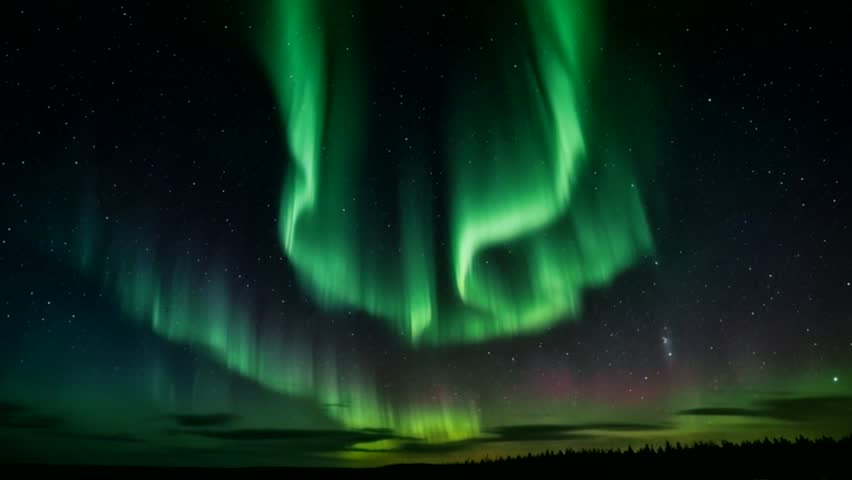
(525, 241)
(534, 219)
(189, 306)
(539, 208)
(525, 244)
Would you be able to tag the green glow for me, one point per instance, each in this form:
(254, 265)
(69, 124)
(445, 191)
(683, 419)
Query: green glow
(534, 219)
(539, 208)
(200, 308)
(444, 423)
(321, 221)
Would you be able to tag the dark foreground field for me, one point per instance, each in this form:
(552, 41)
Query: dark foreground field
(779, 458)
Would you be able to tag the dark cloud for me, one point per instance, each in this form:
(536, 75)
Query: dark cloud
(32, 421)
(20, 416)
(10, 408)
(207, 420)
(342, 436)
(23, 417)
(303, 441)
(438, 448)
(106, 437)
(520, 433)
(722, 412)
(622, 427)
(383, 432)
(836, 409)
(810, 409)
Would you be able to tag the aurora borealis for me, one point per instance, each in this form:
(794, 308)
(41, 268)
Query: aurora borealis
(300, 232)
(524, 242)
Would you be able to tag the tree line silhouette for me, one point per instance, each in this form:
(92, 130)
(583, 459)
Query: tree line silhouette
(823, 457)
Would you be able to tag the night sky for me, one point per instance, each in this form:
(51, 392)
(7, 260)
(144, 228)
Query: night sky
(342, 232)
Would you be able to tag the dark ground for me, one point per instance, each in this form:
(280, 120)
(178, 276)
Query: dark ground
(777, 458)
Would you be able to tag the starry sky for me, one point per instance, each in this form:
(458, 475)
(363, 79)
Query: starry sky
(356, 233)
